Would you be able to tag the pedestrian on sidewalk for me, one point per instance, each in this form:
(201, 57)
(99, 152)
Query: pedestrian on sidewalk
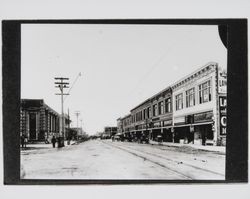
(22, 141)
(25, 141)
(53, 141)
(68, 140)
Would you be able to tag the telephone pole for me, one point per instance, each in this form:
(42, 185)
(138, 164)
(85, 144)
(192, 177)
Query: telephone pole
(77, 115)
(61, 84)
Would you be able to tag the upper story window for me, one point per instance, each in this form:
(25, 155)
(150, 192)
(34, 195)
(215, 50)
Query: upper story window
(160, 108)
(154, 109)
(149, 112)
(190, 97)
(168, 105)
(138, 116)
(144, 114)
(205, 92)
(179, 101)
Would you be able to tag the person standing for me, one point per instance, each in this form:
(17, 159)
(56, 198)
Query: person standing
(22, 140)
(25, 141)
(53, 141)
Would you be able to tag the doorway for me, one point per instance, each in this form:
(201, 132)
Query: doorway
(32, 124)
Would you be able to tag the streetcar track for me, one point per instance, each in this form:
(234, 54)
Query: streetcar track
(190, 165)
(157, 163)
(164, 158)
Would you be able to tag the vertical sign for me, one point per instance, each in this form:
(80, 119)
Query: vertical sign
(223, 114)
(222, 82)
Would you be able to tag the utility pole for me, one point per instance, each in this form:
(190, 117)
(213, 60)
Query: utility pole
(61, 84)
(69, 119)
(81, 129)
(77, 115)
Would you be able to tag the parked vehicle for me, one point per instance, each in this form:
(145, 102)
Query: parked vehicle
(144, 139)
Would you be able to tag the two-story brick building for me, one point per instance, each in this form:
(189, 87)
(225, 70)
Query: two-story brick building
(196, 106)
(192, 110)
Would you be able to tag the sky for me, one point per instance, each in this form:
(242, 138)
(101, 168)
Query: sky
(120, 65)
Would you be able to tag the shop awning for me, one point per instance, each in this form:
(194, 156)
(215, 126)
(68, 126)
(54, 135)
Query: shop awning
(195, 124)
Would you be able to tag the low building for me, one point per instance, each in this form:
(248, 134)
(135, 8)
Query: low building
(127, 128)
(119, 125)
(110, 130)
(75, 133)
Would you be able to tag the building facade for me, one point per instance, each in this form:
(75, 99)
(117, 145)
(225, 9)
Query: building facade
(196, 107)
(38, 122)
(161, 118)
(119, 126)
(110, 131)
(192, 110)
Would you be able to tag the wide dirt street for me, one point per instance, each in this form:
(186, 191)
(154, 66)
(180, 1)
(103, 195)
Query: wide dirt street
(104, 159)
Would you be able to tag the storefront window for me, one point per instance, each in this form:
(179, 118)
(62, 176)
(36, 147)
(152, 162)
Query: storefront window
(160, 107)
(179, 101)
(205, 92)
(168, 105)
(190, 97)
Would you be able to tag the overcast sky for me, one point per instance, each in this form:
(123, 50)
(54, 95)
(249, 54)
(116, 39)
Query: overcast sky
(121, 65)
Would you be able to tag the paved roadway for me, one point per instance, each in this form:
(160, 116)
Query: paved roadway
(103, 159)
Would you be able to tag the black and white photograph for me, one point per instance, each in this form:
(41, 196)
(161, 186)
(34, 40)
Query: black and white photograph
(134, 99)
(122, 101)
(103, 101)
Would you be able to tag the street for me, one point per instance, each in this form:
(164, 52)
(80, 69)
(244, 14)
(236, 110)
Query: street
(104, 159)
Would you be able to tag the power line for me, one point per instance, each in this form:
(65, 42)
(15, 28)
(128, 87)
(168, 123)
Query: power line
(156, 64)
(79, 74)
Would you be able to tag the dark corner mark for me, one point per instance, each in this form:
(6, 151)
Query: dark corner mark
(223, 34)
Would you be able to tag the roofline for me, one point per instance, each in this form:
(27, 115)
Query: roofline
(196, 71)
(162, 91)
(43, 101)
(125, 116)
(170, 87)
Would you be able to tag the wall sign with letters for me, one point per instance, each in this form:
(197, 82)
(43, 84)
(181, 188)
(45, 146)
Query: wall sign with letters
(223, 114)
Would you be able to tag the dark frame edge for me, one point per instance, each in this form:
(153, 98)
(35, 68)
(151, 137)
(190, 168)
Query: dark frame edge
(11, 60)
(237, 146)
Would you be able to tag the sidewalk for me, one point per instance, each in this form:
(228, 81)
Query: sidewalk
(221, 149)
(40, 145)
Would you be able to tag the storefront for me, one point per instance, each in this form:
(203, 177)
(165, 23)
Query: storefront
(196, 128)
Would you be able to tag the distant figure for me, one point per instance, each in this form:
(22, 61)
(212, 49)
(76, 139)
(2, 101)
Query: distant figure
(68, 140)
(25, 141)
(22, 141)
(46, 141)
(159, 139)
(53, 141)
